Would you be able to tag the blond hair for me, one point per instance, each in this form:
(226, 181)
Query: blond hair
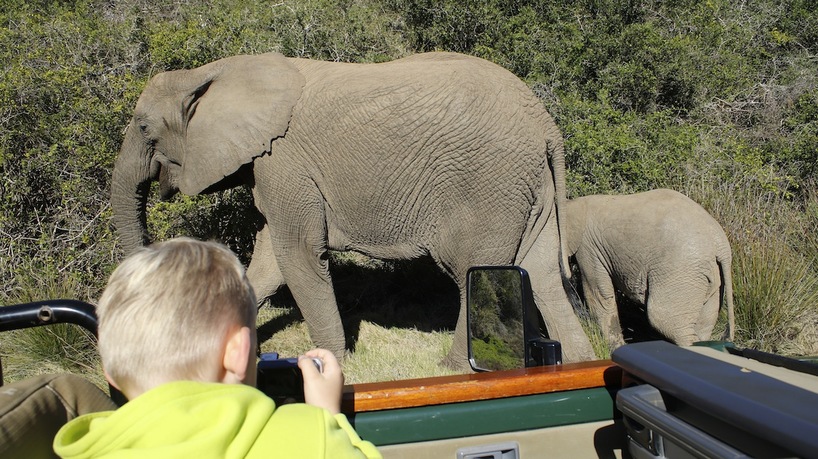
(166, 312)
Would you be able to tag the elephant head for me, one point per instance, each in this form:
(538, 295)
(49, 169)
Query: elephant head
(193, 130)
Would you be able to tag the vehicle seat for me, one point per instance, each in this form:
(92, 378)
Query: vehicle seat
(34, 409)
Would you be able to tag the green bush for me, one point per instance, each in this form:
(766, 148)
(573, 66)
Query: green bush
(496, 354)
(65, 96)
(228, 217)
(776, 297)
(608, 150)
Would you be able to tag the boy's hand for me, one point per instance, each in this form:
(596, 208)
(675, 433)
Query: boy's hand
(322, 389)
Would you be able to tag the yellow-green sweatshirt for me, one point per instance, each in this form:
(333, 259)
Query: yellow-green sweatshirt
(209, 420)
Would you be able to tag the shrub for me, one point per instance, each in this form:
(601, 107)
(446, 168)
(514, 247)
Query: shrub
(776, 297)
(608, 150)
(64, 96)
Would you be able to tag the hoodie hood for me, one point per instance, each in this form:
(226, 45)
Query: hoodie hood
(210, 420)
(180, 419)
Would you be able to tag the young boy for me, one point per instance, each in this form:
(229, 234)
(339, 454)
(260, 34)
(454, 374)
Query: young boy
(177, 336)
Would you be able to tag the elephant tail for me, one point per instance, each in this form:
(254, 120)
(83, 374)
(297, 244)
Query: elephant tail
(726, 270)
(541, 213)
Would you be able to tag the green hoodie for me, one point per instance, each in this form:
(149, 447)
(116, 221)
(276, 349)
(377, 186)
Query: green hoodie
(210, 420)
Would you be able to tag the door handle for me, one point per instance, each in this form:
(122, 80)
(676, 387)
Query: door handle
(507, 450)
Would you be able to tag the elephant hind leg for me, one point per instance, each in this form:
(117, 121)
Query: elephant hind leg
(708, 317)
(542, 264)
(674, 312)
(600, 296)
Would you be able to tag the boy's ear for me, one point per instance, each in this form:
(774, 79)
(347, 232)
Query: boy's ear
(237, 356)
(110, 380)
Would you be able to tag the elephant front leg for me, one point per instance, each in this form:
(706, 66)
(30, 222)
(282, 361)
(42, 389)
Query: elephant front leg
(458, 356)
(297, 229)
(311, 287)
(263, 273)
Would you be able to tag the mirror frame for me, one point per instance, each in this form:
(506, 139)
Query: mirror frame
(539, 348)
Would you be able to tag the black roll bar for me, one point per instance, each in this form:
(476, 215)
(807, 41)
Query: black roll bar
(49, 312)
(28, 315)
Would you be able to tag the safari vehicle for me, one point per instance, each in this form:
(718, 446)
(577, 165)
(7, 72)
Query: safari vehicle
(652, 400)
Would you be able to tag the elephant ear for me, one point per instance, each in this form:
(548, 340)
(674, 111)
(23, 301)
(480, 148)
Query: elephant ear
(240, 105)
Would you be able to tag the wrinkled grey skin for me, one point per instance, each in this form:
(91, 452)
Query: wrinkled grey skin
(658, 248)
(436, 154)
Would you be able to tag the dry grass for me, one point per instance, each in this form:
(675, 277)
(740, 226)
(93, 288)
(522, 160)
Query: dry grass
(58, 348)
(397, 353)
(775, 281)
(380, 354)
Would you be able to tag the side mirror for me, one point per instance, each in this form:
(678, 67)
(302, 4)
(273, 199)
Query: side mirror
(504, 326)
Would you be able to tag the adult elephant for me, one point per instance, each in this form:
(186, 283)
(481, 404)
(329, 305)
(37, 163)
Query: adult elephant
(659, 249)
(437, 154)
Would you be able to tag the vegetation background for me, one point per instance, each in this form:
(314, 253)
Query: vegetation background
(713, 98)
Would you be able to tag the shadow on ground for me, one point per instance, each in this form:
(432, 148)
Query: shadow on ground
(403, 294)
(633, 318)
(413, 294)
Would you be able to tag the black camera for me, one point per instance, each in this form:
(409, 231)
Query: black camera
(281, 379)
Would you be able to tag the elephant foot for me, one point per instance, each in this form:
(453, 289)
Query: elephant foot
(456, 363)
(341, 356)
(578, 350)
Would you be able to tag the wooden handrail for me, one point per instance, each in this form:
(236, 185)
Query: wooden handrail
(479, 386)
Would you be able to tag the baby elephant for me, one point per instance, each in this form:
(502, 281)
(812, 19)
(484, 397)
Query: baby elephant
(657, 248)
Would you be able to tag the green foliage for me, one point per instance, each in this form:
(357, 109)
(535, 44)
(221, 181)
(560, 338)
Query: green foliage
(496, 354)
(796, 146)
(64, 97)
(228, 217)
(344, 31)
(610, 150)
(348, 31)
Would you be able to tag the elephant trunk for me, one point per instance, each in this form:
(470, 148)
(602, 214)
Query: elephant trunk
(130, 186)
